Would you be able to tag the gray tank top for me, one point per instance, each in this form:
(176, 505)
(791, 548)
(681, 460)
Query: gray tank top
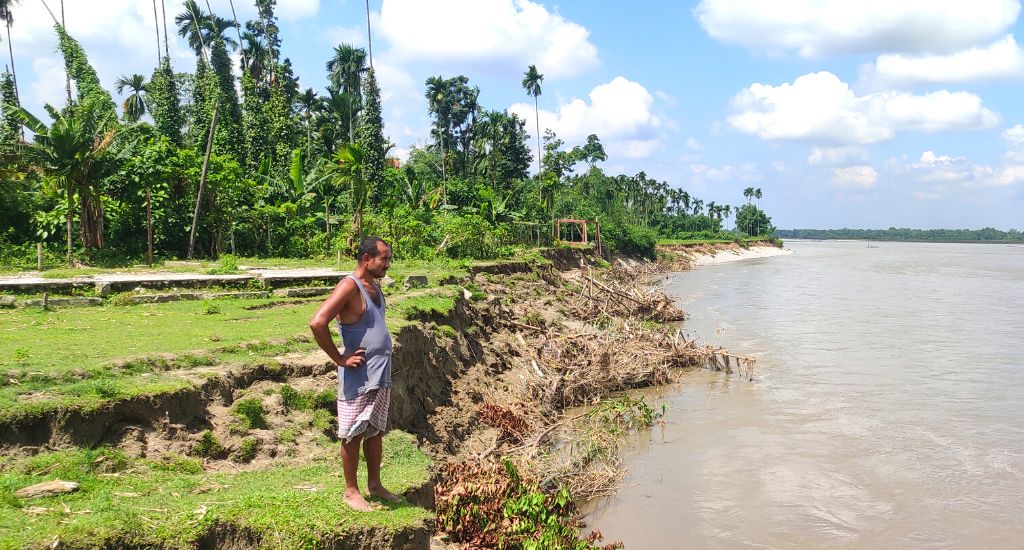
(371, 333)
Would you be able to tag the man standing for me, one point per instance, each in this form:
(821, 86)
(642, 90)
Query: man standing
(364, 370)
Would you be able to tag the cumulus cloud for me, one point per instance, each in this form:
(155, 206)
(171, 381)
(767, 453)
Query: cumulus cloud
(814, 28)
(504, 34)
(855, 177)
(837, 155)
(944, 170)
(619, 112)
(1003, 59)
(744, 173)
(821, 107)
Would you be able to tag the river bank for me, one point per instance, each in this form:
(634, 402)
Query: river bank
(484, 369)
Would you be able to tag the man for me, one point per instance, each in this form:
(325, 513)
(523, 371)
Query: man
(364, 370)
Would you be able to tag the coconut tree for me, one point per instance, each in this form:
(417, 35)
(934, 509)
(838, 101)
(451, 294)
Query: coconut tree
(134, 106)
(531, 83)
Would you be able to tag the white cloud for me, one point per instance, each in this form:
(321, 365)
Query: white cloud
(814, 28)
(1001, 60)
(293, 10)
(944, 170)
(693, 145)
(504, 34)
(346, 35)
(744, 173)
(837, 155)
(855, 177)
(821, 107)
(1014, 136)
(619, 113)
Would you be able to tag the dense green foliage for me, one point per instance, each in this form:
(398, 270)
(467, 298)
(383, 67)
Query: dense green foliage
(905, 234)
(304, 174)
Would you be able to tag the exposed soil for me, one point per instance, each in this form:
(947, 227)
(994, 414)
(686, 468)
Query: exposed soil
(538, 343)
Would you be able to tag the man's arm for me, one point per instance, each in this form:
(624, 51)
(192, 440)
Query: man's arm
(320, 324)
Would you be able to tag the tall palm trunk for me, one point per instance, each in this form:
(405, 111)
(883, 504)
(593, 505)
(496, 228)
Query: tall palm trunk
(536, 112)
(70, 195)
(369, 38)
(156, 25)
(14, 73)
(202, 180)
(167, 48)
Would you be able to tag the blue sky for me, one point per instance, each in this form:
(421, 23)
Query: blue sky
(846, 114)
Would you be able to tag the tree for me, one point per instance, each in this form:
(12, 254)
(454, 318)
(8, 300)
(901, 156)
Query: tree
(191, 25)
(748, 193)
(349, 169)
(76, 63)
(7, 16)
(345, 71)
(134, 106)
(8, 104)
(531, 83)
(201, 29)
(74, 151)
(164, 104)
(752, 221)
(371, 138)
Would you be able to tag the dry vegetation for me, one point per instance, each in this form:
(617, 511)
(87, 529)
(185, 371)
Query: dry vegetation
(571, 339)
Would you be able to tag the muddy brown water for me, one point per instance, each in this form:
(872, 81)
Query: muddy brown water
(887, 410)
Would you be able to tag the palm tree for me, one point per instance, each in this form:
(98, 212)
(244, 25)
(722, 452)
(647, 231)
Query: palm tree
(345, 71)
(531, 83)
(8, 18)
(748, 193)
(190, 24)
(309, 103)
(437, 104)
(255, 52)
(74, 151)
(134, 106)
(201, 28)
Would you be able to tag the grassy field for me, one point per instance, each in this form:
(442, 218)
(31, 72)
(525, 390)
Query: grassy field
(171, 503)
(85, 357)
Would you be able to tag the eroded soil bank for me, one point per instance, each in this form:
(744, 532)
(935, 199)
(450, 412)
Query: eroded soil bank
(483, 378)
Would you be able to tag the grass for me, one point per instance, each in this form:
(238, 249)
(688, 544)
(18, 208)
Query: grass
(86, 357)
(67, 357)
(172, 503)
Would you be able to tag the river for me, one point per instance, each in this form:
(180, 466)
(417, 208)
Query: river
(887, 409)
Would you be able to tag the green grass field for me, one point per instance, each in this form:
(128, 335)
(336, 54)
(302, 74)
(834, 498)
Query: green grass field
(171, 503)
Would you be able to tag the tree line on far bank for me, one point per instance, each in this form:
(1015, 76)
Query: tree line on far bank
(986, 234)
(241, 159)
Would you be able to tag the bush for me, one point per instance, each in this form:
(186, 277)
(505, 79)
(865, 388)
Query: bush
(251, 414)
(246, 451)
(208, 446)
(629, 239)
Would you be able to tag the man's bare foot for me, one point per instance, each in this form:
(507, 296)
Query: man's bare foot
(380, 492)
(356, 501)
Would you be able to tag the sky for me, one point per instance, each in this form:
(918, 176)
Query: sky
(864, 114)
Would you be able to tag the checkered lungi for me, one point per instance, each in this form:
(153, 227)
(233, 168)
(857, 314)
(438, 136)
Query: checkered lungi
(367, 414)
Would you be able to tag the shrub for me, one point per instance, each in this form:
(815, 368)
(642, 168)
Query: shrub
(251, 414)
(207, 446)
(246, 451)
